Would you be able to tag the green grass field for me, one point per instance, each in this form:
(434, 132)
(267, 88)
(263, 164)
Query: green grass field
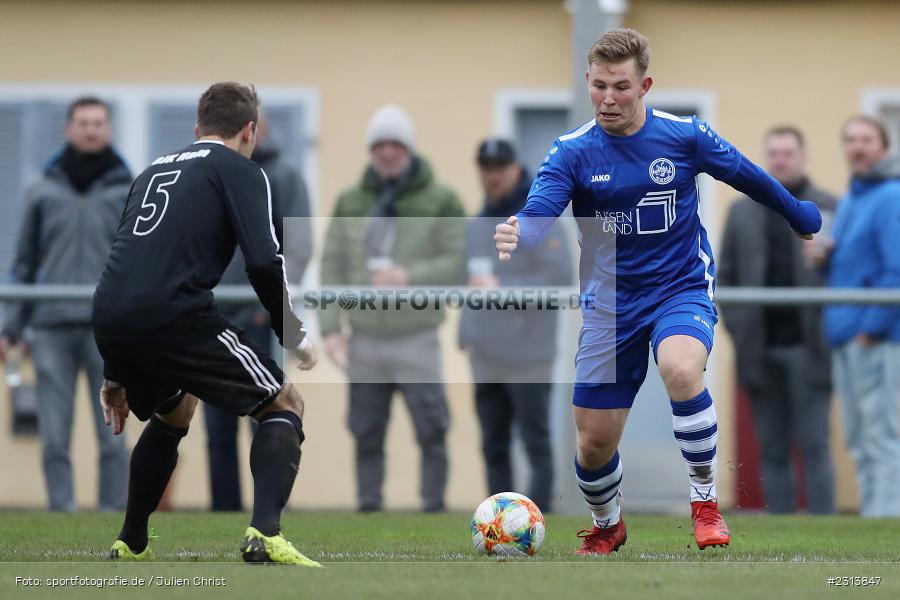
(405, 555)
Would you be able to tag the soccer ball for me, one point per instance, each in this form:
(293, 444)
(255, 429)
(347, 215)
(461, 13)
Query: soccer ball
(508, 524)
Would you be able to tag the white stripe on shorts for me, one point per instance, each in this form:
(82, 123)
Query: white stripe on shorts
(254, 360)
(253, 374)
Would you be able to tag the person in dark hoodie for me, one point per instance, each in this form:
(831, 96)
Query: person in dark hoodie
(289, 199)
(865, 339)
(512, 352)
(71, 216)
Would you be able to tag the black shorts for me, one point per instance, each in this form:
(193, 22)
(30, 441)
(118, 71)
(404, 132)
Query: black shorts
(223, 369)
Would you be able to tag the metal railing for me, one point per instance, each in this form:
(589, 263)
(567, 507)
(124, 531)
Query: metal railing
(243, 294)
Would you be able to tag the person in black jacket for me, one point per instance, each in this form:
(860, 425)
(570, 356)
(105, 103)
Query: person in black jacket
(783, 361)
(163, 340)
(512, 352)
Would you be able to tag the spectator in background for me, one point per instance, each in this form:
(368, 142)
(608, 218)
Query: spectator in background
(512, 352)
(782, 357)
(289, 199)
(866, 338)
(71, 215)
(410, 238)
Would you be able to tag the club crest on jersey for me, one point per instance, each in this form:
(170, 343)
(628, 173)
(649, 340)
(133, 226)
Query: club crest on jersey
(662, 171)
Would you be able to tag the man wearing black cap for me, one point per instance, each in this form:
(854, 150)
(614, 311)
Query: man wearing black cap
(512, 351)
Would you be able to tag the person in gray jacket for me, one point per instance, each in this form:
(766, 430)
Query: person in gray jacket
(71, 216)
(512, 352)
(782, 358)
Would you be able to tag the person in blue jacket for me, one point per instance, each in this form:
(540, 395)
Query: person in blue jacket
(866, 338)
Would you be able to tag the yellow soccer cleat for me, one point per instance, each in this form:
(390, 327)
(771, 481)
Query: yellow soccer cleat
(258, 548)
(121, 551)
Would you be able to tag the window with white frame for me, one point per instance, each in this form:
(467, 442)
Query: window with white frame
(146, 120)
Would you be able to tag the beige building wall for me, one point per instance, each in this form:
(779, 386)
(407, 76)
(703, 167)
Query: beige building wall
(804, 63)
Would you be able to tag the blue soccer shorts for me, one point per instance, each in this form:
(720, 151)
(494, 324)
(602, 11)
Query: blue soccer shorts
(611, 364)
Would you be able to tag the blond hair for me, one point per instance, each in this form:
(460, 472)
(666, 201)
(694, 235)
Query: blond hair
(618, 45)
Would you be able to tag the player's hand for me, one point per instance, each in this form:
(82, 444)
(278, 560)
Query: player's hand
(506, 237)
(336, 349)
(308, 356)
(115, 406)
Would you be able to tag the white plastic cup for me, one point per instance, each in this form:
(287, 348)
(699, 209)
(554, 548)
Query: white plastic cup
(480, 265)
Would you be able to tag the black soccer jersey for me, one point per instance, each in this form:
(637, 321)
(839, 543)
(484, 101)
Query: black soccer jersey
(184, 216)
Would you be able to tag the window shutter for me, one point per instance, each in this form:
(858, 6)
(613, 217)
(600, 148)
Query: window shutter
(11, 176)
(171, 127)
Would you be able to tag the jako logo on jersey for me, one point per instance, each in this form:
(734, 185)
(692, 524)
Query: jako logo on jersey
(702, 320)
(600, 178)
(662, 171)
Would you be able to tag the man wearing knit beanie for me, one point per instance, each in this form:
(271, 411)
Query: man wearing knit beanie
(390, 123)
(373, 240)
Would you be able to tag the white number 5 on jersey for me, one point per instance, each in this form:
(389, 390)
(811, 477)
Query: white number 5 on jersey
(156, 198)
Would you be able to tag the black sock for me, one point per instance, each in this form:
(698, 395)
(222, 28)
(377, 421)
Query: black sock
(152, 462)
(274, 460)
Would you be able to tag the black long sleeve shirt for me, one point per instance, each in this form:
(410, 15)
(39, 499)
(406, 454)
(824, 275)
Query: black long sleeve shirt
(184, 217)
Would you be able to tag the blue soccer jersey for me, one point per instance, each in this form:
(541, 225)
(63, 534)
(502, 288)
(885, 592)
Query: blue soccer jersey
(636, 203)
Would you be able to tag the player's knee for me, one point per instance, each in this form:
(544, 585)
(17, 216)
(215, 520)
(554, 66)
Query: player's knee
(288, 399)
(595, 449)
(683, 380)
(182, 414)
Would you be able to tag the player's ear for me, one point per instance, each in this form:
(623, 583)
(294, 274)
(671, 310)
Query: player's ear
(197, 131)
(248, 132)
(646, 83)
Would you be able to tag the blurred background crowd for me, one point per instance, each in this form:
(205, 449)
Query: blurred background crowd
(440, 110)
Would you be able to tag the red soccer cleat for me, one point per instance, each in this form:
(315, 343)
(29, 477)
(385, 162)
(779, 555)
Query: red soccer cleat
(709, 526)
(602, 540)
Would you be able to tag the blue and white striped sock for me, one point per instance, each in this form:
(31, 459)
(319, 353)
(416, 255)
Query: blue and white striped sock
(601, 489)
(694, 422)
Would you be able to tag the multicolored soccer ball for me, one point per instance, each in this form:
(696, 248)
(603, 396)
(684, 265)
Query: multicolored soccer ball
(508, 524)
